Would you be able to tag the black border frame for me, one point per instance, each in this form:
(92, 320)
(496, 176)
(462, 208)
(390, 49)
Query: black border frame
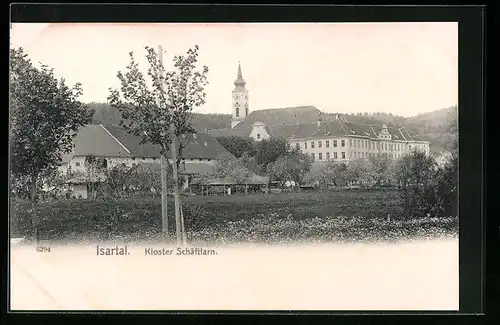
(471, 98)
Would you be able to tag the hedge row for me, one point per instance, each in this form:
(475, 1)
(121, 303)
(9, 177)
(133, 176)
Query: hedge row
(222, 216)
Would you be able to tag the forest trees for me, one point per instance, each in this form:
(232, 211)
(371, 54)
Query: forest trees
(45, 115)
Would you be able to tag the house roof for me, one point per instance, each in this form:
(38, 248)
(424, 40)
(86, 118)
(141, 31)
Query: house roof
(114, 141)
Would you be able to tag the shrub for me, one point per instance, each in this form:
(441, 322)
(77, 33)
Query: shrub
(425, 187)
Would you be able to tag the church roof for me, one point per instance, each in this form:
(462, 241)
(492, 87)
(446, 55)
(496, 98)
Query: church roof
(282, 116)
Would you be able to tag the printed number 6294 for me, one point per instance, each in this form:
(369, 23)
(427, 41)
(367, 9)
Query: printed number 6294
(43, 249)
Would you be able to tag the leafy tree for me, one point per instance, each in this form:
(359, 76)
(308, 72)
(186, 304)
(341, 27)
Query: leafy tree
(45, 115)
(149, 112)
(381, 170)
(328, 173)
(269, 150)
(161, 114)
(249, 162)
(230, 168)
(358, 172)
(447, 187)
(118, 179)
(292, 166)
(94, 167)
(146, 177)
(237, 145)
(416, 175)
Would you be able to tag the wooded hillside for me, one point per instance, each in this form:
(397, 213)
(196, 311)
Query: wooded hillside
(440, 126)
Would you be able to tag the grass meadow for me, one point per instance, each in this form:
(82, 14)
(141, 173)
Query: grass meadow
(329, 216)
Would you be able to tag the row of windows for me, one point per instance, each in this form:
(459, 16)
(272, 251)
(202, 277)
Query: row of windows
(357, 143)
(327, 156)
(373, 154)
(354, 155)
(320, 144)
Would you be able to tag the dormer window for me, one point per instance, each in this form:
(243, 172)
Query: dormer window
(258, 135)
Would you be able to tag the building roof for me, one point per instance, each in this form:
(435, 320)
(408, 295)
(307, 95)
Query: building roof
(113, 141)
(325, 129)
(282, 116)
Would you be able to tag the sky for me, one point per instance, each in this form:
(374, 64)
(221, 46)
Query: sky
(400, 68)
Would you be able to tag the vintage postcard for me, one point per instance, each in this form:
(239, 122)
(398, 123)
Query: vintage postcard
(235, 166)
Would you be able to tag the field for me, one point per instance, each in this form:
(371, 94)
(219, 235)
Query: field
(313, 216)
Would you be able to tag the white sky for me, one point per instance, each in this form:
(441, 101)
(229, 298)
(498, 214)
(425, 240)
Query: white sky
(399, 68)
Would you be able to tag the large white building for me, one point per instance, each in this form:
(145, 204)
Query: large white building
(305, 127)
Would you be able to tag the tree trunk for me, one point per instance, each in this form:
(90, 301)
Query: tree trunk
(164, 195)
(34, 215)
(183, 228)
(176, 189)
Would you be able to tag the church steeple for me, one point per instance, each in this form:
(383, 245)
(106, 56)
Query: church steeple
(240, 99)
(239, 81)
(239, 71)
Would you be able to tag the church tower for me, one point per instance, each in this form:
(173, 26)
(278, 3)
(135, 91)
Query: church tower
(240, 100)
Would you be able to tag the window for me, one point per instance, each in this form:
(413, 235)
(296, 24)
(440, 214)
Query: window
(342, 143)
(343, 154)
(335, 143)
(335, 155)
(312, 156)
(327, 144)
(350, 142)
(312, 145)
(320, 145)
(362, 144)
(327, 156)
(258, 135)
(320, 156)
(305, 145)
(77, 164)
(359, 144)
(297, 145)
(355, 146)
